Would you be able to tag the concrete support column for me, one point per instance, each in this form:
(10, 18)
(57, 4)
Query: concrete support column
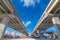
(38, 31)
(14, 34)
(56, 22)
(3, 25)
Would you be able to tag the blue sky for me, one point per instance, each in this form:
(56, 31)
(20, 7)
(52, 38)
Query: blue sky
(30, 11)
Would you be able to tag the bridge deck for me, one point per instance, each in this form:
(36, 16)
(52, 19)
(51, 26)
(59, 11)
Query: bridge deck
(52, 10)
(7, 10)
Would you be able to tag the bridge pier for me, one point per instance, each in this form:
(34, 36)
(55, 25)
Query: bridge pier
(56, 22)
(38, 32)
(3, 26)
(14, 35)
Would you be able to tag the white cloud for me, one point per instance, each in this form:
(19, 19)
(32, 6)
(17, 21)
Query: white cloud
(27, 23)
(28, 3)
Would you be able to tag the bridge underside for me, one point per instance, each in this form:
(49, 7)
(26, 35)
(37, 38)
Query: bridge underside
(9, 17)
(52, 10)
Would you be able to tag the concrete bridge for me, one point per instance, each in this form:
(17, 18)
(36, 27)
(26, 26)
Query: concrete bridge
(51, 16)
(9, 17)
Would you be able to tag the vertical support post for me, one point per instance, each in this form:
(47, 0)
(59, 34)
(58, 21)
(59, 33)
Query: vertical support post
(14, 35)
(3, 25)
(38, 31)
(56, 22)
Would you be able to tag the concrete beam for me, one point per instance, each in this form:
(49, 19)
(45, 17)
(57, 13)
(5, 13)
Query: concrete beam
(7, 15)
(8, 4)
(53, 15)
